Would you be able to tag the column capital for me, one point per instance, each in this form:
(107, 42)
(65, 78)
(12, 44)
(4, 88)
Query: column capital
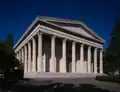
(64, 40)
(89, 46)
(33, 38)
(73, 42)
(25, 46)
(82, 44)
(28, 42)
(40, 33)
(95, 48)
(101, 49)
(53, 36)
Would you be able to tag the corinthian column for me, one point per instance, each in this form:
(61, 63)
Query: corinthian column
(33, 55)
(89, 59)
(95, 60)
(101, 61)
(73, 57)
(53, 58)
(39, 59)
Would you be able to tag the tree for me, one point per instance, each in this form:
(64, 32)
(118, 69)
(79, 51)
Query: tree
(8, 62)
(112, 55)
(9, 44)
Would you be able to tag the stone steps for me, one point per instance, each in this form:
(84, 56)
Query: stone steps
(58, 75)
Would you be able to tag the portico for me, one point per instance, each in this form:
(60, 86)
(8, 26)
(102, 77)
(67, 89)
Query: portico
(59, 45)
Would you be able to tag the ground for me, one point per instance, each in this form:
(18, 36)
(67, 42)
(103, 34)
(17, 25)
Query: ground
(64, 84)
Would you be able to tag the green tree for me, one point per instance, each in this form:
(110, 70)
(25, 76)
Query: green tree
(9, 44)
(112, 55)
(8, 62)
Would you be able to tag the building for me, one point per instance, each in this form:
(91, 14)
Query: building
(60, 45)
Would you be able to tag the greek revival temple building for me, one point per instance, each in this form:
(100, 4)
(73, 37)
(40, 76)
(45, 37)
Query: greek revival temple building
(60, 45)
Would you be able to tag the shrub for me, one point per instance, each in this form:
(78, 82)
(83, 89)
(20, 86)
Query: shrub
(109, 78)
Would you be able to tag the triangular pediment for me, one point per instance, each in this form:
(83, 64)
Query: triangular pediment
(79, 30)
(73, 26)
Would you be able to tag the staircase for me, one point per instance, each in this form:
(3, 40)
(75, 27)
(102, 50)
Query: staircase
(58, 75)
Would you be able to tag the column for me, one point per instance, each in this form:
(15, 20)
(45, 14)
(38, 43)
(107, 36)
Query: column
(33, 55)
(81, 58)
(25, 62)
(53, 58)
(89, 59)
(22, 55)
(63, 60)
(73, 57)
(29, 57)
(95, 60)
(18, 55)
(101, 61)
(39, 60)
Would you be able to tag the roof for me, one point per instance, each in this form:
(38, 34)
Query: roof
(49, 21)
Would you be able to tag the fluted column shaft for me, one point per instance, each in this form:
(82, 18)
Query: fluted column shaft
(101, 61)
(53, 46)
(95, 60)
(64, 55)
(89, 59)
(33, 55)
(29, 56)
(53, 58)
(22, 55)
(81, 58)
(73, 57)
(25, 62)
(39, 61)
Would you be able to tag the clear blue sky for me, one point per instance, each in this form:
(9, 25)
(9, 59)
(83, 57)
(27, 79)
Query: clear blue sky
(17, 15)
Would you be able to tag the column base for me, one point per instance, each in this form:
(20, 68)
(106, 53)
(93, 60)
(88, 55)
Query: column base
(81, 67)
(95, 72)
(62, 66)
(33, 67)
(25, 67)
(29, 66)
(40, 64)
(101, 72)
(85, 68)
(53, 64)
(78, 66)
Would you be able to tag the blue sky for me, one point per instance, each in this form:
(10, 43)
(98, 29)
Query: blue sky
(99, 15)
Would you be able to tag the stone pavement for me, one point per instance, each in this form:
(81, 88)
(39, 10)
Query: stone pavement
(64, 84)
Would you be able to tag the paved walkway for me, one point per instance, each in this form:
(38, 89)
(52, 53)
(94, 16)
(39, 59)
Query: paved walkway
(64, 84)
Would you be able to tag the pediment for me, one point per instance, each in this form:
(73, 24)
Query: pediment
(78, 29)
(74, 26)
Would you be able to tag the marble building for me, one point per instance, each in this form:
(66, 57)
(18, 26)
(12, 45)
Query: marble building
(60, 45)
